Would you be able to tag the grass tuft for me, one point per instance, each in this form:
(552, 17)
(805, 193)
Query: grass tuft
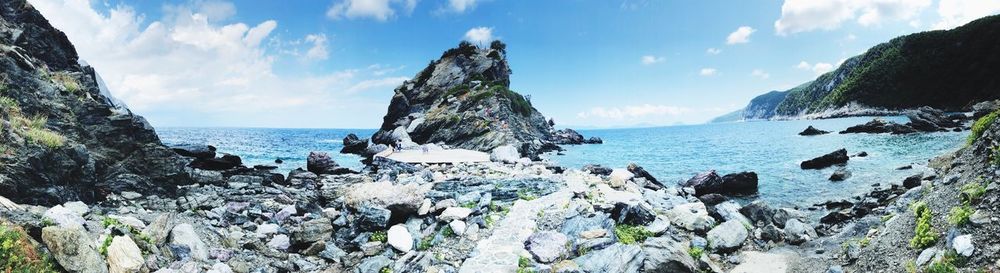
(17, 254)
(960, 215)
(45, 138)
(629, 234)
(378, 236)
(69, 83)
(696, 252)
(981, 125)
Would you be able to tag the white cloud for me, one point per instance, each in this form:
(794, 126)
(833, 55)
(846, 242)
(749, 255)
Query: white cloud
(460, 6)
(187, 70)
(818, 68)
(955, 13)
(713, 51)
(808, 15)
(480, 35)
(380, 10)
(318, 51)
(760, 74)
(707, 71)
(650, 59)
(740, 36)
(632, 111)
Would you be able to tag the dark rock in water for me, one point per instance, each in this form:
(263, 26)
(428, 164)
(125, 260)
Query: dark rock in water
(567, 136)
(928, 119)
(711, 182)
(594, 140)
(862, 154)
(372, 218)
(265, 167)
(836, 217)
(638, 214)
(912, 181)
(279, 161)
(617, 258)
(812, 131)
(842, 204)
(907, 167)
(640, 172)
(827, 160)
(320, 163)
(713, 199)
(597, 169)
(226, 162)
(840, 174)
(878, 126)
(354, 145)
(194, 150)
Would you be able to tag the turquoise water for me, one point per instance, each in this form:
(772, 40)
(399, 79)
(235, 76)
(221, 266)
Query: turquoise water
(773, 149)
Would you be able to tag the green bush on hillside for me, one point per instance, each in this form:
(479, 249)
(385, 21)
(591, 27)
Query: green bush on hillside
(629, 234)
(924, 235)
(980, 126)
(17, 254)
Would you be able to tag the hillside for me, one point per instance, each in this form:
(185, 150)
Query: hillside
(945, 69)
(762, 107)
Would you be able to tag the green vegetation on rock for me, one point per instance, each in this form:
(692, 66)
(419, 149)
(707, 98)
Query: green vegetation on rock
(696, 252)
(32, 128)
(959, 215)
(378, 236)
(629, 234)
(19, 255)
(981, 125)
(924, 234)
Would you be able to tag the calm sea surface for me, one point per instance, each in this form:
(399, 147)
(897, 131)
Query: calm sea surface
(772, 149)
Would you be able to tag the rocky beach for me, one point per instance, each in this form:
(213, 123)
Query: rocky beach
(86, 185)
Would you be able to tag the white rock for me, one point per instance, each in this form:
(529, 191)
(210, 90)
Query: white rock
(399, 238)
(129, 221)
(264, 230)
(130, 195)
(425, 207)
(620, 176)
(331, 213)
(505, 154)
(185, 235)
(124, 256)
(963, 245)
(64, 217)
(926, 255)
(454, 213)
(220, 268)
(457, 226)
(691, 216)
(77, 207)
(279, 242)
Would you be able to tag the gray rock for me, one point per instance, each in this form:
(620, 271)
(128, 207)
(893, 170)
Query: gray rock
(547, 246)
(124, 256)
(320, 163)
(926, 255)
(691, 216)
(399, 238)
(312, 231)
(666, 255)
(728, 236)
(279, 242)
(505, 154)
(759, 212)
(373, 264)
(184, 235)
(962, 245)
(633, 213)
(73, 249)
(730, 210)
(840, 174)
(332, 253)
(797, 232)
(617, 258)
(372, 218)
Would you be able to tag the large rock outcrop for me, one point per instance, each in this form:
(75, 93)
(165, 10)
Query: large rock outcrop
(464, 100)
(62, 136)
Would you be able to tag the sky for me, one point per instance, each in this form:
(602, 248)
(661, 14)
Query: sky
(586, 64)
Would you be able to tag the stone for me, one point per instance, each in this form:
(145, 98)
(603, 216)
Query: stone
(840, 174)
(597, 169)
(759, 262)
(566, 266)
(373, 264)
(710, 182)
(593, 234)
(320, 163)
(332, 253)
(263, 230)
(962, 245)
(691, 216)
(633, 213)
(834, 158)
(730, 210)
(425, 207)
(402, 199)
(617, 258)
(812, 131)
(77, 207)
(194, 150)
(727, 237)
(312, 231)
(399, 238)
(771, 233)
(913, 181)
(547, 246)
(878, 126)
(797, 232)
(184, 235)
(220, 268)
(279, 242)
(372, 218)
(64, 217)
(926, 255)
(73, 249)
(759, 212)
(666, 255)
(354, 145)
(505, 154)
(618, 177)
(458, 227)
(640, 172)
(124, 256)
(454, 213)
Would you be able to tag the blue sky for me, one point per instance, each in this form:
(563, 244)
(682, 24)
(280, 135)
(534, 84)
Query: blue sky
(334, 64)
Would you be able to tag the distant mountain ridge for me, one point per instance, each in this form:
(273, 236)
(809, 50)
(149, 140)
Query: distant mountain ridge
(945, 69)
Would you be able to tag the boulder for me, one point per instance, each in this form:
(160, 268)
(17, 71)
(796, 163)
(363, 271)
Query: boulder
(402, 199)
(710, 182)
(878, 126)
(593, 140)
(691, 216)
(617, 258)
(320, 163)
(985, 108)
(729, 211)
(458, 227)
(640, 172)
(312, 231)
(505, 154)
(399, 238)
(928, 119)
(618, 177)
(797, 232)
(547, 246)
(962, 245)
(354, 145)
(279, 242)
(812, 131)
(194, 150)
(64, 217)
(124, 256)
(666, 255)
(633, 213)
(226, 162)
(372, 218)
(454, 213)
(184, 235)
(827, 160)
(759, 212)
(913, 181)
(840, 174)
(728, 236)
(567, 137)
(597, 169)
(73, 249)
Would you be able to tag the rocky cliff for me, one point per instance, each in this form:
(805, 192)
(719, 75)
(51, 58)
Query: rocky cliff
(464, 100)
(946, 69)
(762, 107)
(63, 136)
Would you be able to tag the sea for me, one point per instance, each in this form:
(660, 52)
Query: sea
(772, 149)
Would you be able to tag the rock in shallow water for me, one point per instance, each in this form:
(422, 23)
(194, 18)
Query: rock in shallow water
(827, 160)
(812, 131)
(710, 182)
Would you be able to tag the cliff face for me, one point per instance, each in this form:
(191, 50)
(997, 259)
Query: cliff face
(63, 136)
(464, 100)
(762, 107)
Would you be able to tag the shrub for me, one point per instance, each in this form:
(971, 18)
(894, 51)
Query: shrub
(386, 270)
(45, 138)
(972, 191)
(523, 264)
(959, 215)
(70, 83)
(629, 234)
(924, 235)
(17, 254)
(10, 106)
(425, 243)
(378, 236)
(696, 252)
(104, 245)
(944, 265)
(981, 125)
